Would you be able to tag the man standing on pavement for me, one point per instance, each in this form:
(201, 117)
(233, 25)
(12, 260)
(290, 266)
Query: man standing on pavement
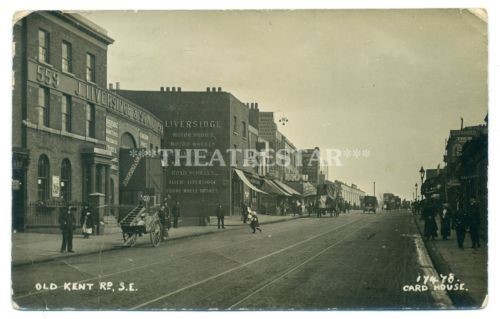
(67, 223)
(220, 216)
(474, 221)
(176, 212)
(445, 221)
(164, 216)
(460, 223)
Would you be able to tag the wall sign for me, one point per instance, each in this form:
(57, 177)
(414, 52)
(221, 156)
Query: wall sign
(56, 186)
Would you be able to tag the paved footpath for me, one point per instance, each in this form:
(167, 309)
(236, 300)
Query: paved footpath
(30, 248)
(468, 265)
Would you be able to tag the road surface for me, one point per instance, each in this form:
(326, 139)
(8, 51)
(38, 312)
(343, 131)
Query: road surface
(354, 261)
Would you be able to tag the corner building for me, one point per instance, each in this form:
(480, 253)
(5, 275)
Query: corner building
(68, 129)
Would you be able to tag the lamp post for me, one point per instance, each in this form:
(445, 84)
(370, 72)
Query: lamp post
(422, 174)
(416, 191)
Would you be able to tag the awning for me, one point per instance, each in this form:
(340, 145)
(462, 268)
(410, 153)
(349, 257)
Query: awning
(287, 188)
(308, 189)
(272, 188)
(244, 179)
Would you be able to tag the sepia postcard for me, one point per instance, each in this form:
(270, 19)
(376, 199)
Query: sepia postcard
(315, 159)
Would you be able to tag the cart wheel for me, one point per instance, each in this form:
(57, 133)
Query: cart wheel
(131, 239)
(155, 234)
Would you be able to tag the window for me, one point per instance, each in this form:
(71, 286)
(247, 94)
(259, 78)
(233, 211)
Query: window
(90, 120)
(244, 129)
(66, 180)
(90, 68)
(43, 106)
(43, 46)
(43, 177)
(66, 113)
(67, 63)
(235, 124)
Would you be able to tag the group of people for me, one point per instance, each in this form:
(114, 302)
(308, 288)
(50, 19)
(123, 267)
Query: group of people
(461, 219)
(67, 225)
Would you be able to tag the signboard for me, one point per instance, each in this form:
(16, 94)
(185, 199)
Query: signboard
(16, 185)
(56, 186)
(112, 137)
(90, 92)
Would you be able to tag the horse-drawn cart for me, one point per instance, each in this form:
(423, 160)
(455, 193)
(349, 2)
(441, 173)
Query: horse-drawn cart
(141, 220)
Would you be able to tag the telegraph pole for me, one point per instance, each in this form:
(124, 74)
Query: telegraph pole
(374, 189)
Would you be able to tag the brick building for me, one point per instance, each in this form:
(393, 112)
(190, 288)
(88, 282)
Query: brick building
(68, 129)
(211, 120)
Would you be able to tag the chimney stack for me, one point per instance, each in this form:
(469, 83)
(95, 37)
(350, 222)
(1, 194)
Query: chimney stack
(162, 89)
(178, 89)
(213, 89)
(252, 105)
(173, 88)
(117, 86)
(167, 88)
(111, 86)
(256, 105)
(219, 89)
(461, 123)
(208, 89)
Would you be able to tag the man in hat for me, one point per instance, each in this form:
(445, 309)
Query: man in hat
(220, 216)
(67, 223)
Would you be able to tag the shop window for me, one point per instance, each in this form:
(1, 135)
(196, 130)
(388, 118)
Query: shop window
(43, 106)
(66, 113)
(66, 179)
(43, 177)
(67, 58)
(90, 67)
(43, 46)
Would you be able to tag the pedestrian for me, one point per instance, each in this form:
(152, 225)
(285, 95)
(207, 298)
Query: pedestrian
(430, 226)
(86, 221)
(67, 224)
(244, 213)
(220, 216)
(254, 221)
(317, 208)
(460, 223)
(445, 221)
(176, 212)
(474, 221)
(164, 216)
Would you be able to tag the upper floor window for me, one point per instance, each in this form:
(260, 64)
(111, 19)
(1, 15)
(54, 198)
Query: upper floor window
(43, 46)
(90, 67)
(244, 129)
(90, 120)
(66, 113)
(43, 106)
(235, 124)
(67, 63)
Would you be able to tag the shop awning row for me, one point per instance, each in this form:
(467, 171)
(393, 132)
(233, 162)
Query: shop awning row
(274, 187)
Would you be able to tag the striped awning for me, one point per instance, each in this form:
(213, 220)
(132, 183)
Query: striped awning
(245, 180)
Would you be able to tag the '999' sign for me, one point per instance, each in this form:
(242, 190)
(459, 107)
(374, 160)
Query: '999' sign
(47, 76)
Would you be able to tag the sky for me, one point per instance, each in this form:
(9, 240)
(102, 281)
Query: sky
(393, 82)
